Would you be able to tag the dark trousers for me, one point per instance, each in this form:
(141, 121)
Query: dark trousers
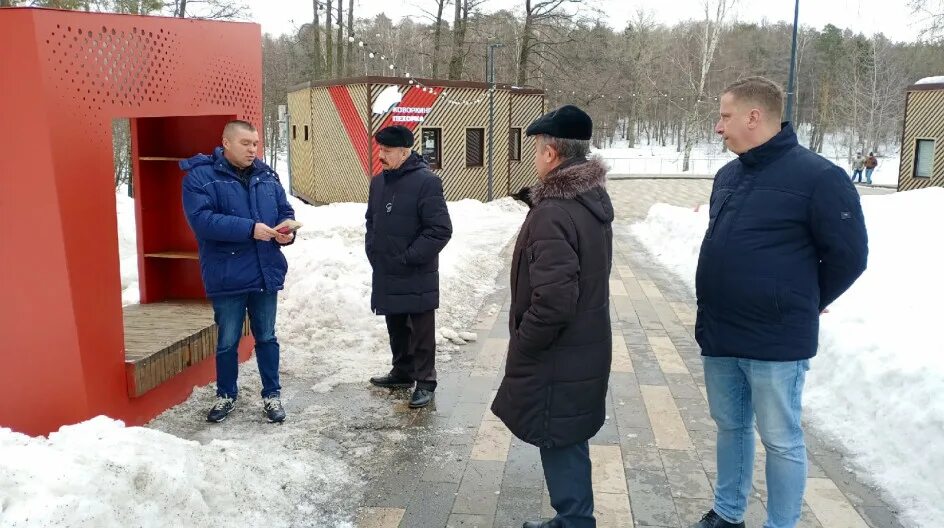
(567, 473)
(413, 343)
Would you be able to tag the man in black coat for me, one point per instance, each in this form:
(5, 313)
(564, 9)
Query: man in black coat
(785, 238)
(560, 348)
(407, 226)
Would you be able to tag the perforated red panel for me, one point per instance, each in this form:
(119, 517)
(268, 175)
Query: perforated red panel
(68, 76)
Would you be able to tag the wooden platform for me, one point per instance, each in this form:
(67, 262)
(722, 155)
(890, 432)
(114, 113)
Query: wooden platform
(162, 339)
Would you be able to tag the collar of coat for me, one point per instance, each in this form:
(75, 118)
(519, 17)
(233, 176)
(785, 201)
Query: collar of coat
(773, 149)
(570, 179)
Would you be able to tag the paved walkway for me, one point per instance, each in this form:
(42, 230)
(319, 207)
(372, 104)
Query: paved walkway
(653, 461)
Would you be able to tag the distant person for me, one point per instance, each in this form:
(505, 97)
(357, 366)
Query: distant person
(785, 238)
(408, 225)
(870, 163)
(234, 204)
(858, 163)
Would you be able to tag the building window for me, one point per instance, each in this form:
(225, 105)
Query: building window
(306, 132)
(514, 144)
(924, 158)
(474, 147)
(294, 132)
(431, 147)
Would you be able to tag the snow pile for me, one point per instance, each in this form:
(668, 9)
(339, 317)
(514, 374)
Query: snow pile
(876, 383)
(705, 160)
(325, 323)
(127, 248)
(932, 80)
(101, 474)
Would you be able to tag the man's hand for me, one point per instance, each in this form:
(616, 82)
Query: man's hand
(285, 239)
(264, 232)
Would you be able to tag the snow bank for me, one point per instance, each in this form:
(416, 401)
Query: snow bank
(875, 386)
(324, 321)
(932, 80)
(101, 474)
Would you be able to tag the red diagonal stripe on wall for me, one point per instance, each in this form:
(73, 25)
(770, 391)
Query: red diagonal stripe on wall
(414, 97)
(356, 131)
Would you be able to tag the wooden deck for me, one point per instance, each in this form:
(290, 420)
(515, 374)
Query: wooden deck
(162, 339)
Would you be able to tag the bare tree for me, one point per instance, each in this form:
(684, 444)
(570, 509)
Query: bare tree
(329, 46)
(437, 35)
(316, 58)
(349, 62)
(716, 14)
(932, 15)
(537, 15)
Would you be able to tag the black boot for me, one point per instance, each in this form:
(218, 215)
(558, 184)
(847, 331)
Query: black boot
(421, 398)
(713, 520)
(392, 382)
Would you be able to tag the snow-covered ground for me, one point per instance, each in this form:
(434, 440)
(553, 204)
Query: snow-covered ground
(876, 384)
(100, 474)
(707, 159)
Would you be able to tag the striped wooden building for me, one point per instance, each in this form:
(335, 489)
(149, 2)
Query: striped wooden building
(922, 142)
(332, 125)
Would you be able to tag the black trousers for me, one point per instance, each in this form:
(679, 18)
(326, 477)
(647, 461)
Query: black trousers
(413, 343)
(567, 473)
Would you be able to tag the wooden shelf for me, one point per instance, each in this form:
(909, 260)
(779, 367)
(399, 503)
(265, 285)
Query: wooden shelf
(190, 255)
(159, 158)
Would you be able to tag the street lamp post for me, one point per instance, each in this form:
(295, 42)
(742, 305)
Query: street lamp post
(791, 82)
(491, 115)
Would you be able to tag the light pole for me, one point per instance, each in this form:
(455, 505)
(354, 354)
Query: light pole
(491, 114)
(791, 82)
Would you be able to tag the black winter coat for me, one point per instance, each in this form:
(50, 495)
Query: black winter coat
(785, 238)
(408, 226)
(560, 348)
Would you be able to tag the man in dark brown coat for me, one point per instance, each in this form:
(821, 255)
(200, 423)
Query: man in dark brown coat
(553, 392)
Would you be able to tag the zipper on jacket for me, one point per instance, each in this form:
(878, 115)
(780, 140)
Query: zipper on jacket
(714, 224)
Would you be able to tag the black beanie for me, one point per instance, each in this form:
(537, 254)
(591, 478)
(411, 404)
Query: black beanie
(567, 122)
(395, 136)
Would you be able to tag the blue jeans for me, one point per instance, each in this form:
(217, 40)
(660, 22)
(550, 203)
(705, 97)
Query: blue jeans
(857, 173)
(567, 473)
(868, 175)
(739, 389)
(229, 312)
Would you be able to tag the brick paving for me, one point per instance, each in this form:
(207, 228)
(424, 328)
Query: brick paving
(653, 461)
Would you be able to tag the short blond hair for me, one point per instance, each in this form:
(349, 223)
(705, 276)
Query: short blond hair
(760, 91)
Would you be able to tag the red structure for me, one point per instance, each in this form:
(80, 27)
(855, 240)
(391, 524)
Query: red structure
(69, 350)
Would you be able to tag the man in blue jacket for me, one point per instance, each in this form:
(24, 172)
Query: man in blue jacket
(785, 238)
(408, 225)
(232, 201)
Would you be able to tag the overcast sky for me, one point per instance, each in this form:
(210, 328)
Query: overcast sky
(891, 17)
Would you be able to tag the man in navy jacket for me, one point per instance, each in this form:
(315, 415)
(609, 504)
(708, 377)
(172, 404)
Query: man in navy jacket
(785, 238)
(232, 201)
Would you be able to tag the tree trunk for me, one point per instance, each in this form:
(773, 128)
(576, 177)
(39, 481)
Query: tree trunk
(329, 44)
(523, 57)
(458, 43)
(316, 43)
(340, 49)
(437, 37)
(182, 9)
(349, 62)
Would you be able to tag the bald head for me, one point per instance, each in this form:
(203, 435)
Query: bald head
(240, 142)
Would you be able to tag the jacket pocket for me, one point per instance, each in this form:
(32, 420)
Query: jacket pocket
(715, 211)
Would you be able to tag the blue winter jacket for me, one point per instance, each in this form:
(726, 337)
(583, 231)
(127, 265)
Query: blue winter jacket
(223, 214)
(785, 238)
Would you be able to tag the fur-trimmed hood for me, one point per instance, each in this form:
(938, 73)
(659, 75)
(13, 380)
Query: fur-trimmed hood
(581, 180)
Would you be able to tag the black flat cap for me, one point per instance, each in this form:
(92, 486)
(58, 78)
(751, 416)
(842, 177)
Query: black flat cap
(567, 122)
(395, 136)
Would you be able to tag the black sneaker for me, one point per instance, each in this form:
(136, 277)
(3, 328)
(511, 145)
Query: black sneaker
(421, 398)
(221, 409)
(391, 382)
(273, 409)
(541, 524)
(713, 520)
